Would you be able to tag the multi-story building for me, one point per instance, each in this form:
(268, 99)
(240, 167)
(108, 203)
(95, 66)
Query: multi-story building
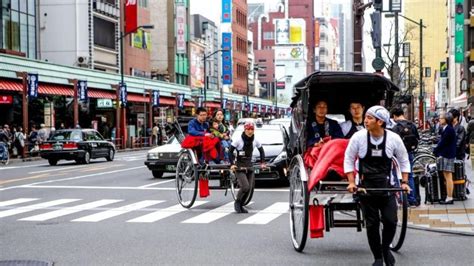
(239, 47)
(206, 30)
(469, 36)
(170, 38)
(18, 28)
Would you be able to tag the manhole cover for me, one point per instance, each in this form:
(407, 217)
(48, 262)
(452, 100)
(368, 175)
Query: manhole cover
(25, 263)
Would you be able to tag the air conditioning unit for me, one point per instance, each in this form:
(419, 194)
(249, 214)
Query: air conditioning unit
(82, 61)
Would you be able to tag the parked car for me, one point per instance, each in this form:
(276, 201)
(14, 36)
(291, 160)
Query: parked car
(164, 158)
(274, 141)
(80, 145)
(285, 122)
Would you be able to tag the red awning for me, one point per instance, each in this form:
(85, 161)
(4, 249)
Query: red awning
(101, 94)
(213, 105)
(6, 85)
(53, 89)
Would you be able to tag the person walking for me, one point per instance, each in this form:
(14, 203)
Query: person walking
(410, 137)
(446, 153)
(244, 146)
(20, 141)
(470, 141)
(375, 148)
(460, 135)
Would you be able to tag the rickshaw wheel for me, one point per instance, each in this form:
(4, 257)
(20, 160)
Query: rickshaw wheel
(186, 180)
(234, 189)
(299, 203)
(402, 203)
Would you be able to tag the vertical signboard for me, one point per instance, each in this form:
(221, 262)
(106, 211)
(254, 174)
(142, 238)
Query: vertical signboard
(227, 58)
(224, 103)
(459, 32)
(82, 87)
(123, 94)
(226, 11)
(180, 28)
(290, 31)
(395, 5)
(180, 100)
(234, 105)
(156, 98)
(32, 86)
(131, 11)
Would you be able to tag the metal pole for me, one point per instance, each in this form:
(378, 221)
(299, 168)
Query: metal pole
(395, 67)
(150, 114)
(76, 104)
(24, 77)
(205, 82)
(421, 116)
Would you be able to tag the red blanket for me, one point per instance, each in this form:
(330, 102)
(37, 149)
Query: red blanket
(208, 145)
(322, 159)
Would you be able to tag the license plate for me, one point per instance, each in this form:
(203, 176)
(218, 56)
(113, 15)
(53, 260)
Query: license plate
(57, 147)
(170, 167)
(257, 171)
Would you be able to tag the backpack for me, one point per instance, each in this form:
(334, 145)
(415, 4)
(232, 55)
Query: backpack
(406, 130)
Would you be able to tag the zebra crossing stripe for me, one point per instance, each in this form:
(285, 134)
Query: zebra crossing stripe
(69, 210)
(267, 215)
(212, 215)
(164, 213)
(15, 201)
(117, 211)
(35, 207)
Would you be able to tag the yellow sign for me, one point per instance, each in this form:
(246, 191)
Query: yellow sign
(142, 40)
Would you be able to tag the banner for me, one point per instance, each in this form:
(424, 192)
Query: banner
(459, 32)
(82, 91)
(251, 107)
(266, 108)
(242, 107)
(227, 58)
(131, 11)
(180, 29)
(224, 103)
(123, 94)
(180, 100)
(32, 86)
(156, 98)
(259, 108)
(199, 101)
(273, 109)
(226, 11)
(290, 31)
(234, 105)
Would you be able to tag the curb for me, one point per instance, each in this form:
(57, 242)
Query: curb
(443, 231)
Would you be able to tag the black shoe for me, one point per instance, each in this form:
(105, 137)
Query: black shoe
(388, 258)
(378, 262)
(446, 202)
(238, 207)
(243, 209)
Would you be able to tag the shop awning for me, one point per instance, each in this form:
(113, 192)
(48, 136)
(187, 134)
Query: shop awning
(101, 94)
(213, 105)
(52, 89)
(7, 85)
(460, 101)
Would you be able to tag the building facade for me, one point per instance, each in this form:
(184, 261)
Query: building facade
(239, 47)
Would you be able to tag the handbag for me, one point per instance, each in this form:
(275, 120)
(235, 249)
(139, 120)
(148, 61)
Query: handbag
(15, 151)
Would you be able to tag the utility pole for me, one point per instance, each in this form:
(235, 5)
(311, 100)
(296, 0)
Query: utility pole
(421, 116)
(359, 9)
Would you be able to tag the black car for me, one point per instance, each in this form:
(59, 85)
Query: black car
(80, 145)
(274, 140)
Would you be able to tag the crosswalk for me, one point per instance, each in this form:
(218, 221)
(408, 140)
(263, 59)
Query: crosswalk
(145, 211)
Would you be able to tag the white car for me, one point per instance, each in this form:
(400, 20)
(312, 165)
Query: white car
(163, 159)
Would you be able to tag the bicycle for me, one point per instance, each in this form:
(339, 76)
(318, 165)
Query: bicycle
(4, 155)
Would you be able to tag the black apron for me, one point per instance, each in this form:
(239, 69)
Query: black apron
(376, 166)
(354, 128)
(244, 156)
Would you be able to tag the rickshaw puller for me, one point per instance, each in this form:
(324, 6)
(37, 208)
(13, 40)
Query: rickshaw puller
(244, 146)
(375, 147)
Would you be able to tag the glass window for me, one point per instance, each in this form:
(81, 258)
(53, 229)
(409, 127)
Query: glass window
(104, 33)
(265, 136)
(14, 5)
(15, 32)
(31, 7)
(23, 33)
(97, 136)
(23, 6)
(67, 135)
(31, 37)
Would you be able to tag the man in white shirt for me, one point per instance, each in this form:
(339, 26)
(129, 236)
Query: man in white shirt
(375, 147)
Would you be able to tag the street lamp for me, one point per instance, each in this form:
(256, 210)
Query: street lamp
(421, 116)
(276, 89)
(206, 78)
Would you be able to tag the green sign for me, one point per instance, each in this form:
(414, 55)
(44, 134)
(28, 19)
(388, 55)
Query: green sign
(459, 32)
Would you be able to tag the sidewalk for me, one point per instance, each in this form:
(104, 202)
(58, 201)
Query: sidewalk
(457, 218)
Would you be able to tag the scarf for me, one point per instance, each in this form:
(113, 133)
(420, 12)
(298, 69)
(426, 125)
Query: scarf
(248, 144)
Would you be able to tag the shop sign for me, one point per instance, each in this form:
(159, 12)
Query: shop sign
(156, 98)
(459, 32)
(123, 94)
(32, 86)
(6, 99)
(82, 87)
(104, 103)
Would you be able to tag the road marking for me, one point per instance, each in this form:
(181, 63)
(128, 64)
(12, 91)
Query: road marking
(35, 207)
(15, 201)
(21, 179)
(212, 215)
(69, 210)
(158, 183)
(56, 168)
(268, 214)
(23, 166)
(117, 211)
(73, 178)
(164, 213)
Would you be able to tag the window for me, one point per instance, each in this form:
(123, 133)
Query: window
(268, 35)
(143, 3)
(104, 33)
(262, 75)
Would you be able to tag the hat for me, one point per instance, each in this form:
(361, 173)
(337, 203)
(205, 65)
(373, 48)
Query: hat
(249, 125)
(380, 113)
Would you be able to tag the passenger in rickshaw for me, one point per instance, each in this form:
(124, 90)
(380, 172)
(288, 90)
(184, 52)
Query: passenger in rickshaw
(375, 147)
(356, 123)
(321, 128)
(223, 133)
(244, 146)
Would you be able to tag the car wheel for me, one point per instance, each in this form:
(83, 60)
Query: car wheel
(111, 155)
(87, 158)
(157, 174)
(52, 162)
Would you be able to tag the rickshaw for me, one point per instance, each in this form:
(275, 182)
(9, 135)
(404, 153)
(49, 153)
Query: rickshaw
(338, 89)
(190, 174)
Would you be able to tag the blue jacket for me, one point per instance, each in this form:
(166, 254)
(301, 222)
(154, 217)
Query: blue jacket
(197, 129)
(333, 128)
(446, 147)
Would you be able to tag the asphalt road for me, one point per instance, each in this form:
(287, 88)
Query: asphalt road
(116, 213)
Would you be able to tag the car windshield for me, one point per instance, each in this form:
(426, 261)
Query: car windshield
(75, 135)
(172, 140)
(266, 136)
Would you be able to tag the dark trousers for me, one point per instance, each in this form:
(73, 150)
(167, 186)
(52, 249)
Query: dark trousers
(244, 179)
(375, 207)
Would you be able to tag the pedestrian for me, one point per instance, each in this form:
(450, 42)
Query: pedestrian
(410, 137)
(33, 140)
(42, 134)
(375, 148)
(460, 135)
(244, 146)
(356, 123)
(154, 134)
(446, 153)
(20, 141)
(470, 141)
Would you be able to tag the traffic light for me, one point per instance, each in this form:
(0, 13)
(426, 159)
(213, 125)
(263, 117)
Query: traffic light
(378, 4)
